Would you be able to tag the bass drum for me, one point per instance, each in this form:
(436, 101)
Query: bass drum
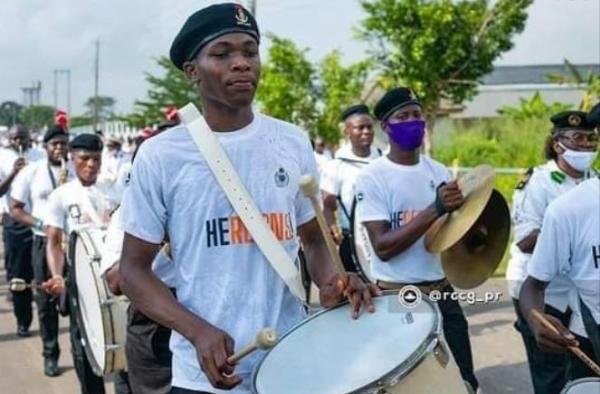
(362, 251)
(583, 386)
(101, 317)
(395, 350)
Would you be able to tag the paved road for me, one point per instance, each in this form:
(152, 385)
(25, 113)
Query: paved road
(499, 355)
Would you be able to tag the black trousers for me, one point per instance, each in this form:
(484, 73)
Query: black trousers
(148, 354)
(19, 240)
(548, 370)
(577, 369)
(46, 304)
(456, 331)
(177, 390)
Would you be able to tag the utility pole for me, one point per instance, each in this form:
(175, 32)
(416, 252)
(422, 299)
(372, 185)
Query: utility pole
(57, 74)
(55, 88)
(96, 78)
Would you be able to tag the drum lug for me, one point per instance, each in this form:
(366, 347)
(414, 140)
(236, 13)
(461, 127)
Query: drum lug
(108, 302)
(441, 353)
(112, 348)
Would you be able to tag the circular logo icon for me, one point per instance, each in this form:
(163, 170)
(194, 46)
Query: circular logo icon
(410, 296)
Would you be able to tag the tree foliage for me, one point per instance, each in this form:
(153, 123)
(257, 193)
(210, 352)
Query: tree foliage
(440, 48)
(10, 113)
(105, 106)
(534, 108)
(38, 116)
(170, 88)
(591, 83)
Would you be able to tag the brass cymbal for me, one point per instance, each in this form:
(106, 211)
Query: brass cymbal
(475, 257)
(476, 186)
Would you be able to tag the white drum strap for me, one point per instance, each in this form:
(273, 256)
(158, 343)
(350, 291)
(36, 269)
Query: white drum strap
(240, 199)
(88, 208)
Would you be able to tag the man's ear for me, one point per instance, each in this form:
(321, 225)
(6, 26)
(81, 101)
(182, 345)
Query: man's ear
(191, 71)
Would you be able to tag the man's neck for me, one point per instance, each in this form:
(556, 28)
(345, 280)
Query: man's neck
(85, 183)
(567, 169)
(361, 151)
(404, 157)
(223, 119)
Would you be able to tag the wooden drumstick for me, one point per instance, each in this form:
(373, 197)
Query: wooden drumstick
(578, 352)
(310, 189)
(265, 339)
(18, 285)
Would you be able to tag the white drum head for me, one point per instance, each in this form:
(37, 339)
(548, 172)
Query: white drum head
(583, 386)
(89, 303)
(330, 353)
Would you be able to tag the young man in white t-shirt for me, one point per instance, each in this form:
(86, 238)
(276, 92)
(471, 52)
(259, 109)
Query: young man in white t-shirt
(226, 290)
(399, 197)
(18, 237)
(569, 245)
(28, 203)
(79, 204)
(339, 175)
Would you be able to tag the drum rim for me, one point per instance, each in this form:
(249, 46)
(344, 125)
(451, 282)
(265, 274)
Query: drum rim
(389, 378)
(575, 382)
(94, 364)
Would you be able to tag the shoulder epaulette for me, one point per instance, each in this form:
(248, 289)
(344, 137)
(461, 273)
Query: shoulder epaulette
(558, 177)
(523, 182)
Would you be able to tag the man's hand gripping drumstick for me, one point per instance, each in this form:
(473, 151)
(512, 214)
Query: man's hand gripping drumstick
(346, 284)
(265, 339)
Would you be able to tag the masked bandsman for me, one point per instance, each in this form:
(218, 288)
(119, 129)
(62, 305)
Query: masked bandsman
(79, 204)
(18, 237)
(570, 151)
(28, 204)
(339, 176)
(399, 196)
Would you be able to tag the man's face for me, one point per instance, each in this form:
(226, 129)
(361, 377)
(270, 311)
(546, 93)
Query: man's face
(227, 70)
(319, 145)
(406, 114)
(87, 165)
(19, 138)
(56, 149)
(359, 129)
(113, 146)
(578, 140)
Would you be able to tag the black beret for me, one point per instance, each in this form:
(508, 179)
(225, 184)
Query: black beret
(593, 116)
(572, 120)
(54, 131)
(354, 110)
(206, 25)
(89, 142)
(393, 100)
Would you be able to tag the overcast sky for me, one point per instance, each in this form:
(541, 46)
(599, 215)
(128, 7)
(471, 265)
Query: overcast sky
(38, 36)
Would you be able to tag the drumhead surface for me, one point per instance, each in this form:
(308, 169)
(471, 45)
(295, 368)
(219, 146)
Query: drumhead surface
(331, 353)
(583, 386)
(87, 296)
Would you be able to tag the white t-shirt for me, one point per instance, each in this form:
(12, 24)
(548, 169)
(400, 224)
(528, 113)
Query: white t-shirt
(7, 162)
(339, 176)
(73, 206)
(221, 275)
(386, 191)
(529, 205)
(33, 185)
(162, 265)
(111, 165)
(569, 245)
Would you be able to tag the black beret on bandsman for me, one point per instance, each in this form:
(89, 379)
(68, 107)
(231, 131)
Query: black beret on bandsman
(89, 142)
(358, 109)
(593, 116)
(572, 120)
(393, 100)
(53, 132)
(208, 24)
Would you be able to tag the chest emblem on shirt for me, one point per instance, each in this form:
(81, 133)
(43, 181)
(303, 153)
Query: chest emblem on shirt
(74, 211)
(282, 179)
(432, 184)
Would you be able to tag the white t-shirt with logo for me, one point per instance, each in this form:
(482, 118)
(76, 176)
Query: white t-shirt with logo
(395, 193)
(7, 162)
(339, 176)
(529, 205)
(162, 265)
(33, 185)
(221, 275)
(569, 245)
(73, 206)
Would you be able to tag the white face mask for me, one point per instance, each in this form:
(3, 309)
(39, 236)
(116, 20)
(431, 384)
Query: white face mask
(580, 161)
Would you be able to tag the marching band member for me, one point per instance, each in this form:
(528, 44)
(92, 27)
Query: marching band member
(18, 237)
(113, 158)
(29, 200)
(570, 152)
(339, 175)
(226, 289)
(568, 245)
(79, 204)
(399, 196)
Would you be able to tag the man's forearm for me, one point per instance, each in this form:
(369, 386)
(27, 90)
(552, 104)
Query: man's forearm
(22, 216)
(55, 257)
(5, 184)
(532, 297)
(319, 262)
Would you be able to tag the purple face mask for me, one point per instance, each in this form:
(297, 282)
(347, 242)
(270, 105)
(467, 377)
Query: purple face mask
(408, 135)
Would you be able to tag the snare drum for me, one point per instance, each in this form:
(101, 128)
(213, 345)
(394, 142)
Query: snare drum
(361, 247)
(583, 386)
(395, 350)
(102, 317)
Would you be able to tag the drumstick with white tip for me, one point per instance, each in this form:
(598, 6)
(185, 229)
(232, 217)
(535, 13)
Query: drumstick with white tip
(265, 339)
(578, 352)
(18, 285)
(310, 189)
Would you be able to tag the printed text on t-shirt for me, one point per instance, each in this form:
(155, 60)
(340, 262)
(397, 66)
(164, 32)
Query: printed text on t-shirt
(401, 218)
(232, 231)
